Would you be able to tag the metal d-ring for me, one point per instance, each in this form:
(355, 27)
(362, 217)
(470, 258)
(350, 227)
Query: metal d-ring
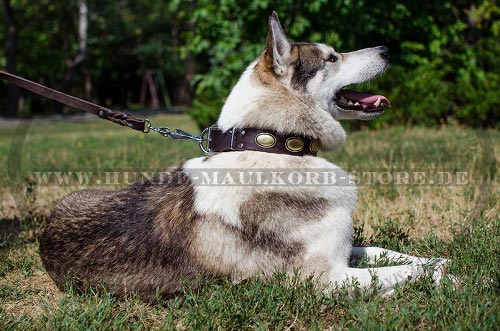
(206, 148)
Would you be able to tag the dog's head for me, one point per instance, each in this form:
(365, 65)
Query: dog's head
(300, 87)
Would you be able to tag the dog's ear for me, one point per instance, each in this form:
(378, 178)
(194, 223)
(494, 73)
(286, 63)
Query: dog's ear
(278, 48)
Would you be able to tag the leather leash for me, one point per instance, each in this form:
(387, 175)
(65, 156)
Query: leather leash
(68, 100)
(143, 125)
(211, 139)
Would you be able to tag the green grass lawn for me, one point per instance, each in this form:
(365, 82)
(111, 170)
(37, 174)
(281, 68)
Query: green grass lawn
(459, 222)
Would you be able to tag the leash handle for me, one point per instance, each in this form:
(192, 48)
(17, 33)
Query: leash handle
(114, 116)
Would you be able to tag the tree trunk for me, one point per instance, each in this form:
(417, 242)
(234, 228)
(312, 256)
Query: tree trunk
(472, 35)
(186, 91)
(185, 96)
(10, 49)
(82, 51)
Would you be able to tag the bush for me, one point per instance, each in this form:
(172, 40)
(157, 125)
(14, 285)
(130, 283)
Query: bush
(445, 69)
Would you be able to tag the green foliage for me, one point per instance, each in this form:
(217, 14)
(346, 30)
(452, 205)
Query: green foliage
(444, 54)
(444, 65)
(205, 110)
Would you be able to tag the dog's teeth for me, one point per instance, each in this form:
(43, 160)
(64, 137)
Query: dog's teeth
(349, 103)
(356, 104)
(343, 100)
(377, 103)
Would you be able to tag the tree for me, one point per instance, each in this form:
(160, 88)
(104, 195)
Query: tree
(10, 50)
(444, 54)
(77, 63)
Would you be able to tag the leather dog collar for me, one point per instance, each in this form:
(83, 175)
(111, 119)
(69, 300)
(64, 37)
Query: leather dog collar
(269, 141)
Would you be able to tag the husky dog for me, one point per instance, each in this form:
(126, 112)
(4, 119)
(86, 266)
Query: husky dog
(150, 238)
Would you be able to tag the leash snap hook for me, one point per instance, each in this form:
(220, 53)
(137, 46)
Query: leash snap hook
(203, 139)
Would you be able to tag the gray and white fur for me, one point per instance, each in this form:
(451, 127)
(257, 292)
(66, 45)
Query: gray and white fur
(149, 238)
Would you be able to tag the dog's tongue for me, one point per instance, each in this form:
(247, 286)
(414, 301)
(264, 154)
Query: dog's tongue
(364, 97)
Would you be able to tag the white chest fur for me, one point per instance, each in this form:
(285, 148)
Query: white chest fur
(220, 192)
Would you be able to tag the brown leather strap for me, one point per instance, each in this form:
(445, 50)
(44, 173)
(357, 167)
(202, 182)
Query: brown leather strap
(218, 141)
(263, 141)
(68, 100)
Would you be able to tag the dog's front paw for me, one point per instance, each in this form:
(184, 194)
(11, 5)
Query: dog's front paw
(438, 267)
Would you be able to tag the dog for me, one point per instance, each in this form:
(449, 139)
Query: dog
(151, 238)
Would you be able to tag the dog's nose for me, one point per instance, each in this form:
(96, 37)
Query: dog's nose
(384, 51)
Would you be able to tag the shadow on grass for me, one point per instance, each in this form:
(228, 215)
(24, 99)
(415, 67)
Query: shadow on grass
(9, 232)
(15, 231)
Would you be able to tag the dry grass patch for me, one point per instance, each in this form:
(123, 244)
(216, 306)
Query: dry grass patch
(37, 294)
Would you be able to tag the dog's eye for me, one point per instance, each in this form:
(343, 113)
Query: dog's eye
(332, 58)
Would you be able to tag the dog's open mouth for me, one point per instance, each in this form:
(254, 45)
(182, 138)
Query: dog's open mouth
(359, 101)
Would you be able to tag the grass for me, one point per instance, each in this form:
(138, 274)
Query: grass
(459, 222)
